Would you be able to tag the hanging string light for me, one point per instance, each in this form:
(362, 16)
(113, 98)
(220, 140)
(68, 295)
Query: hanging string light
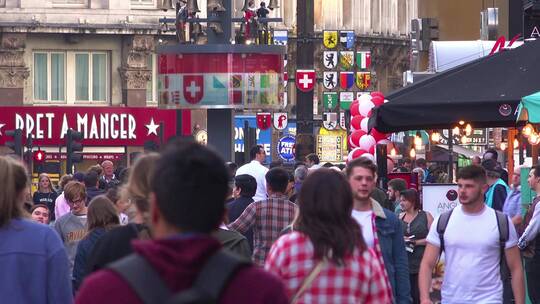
(412, 153)
(527, 130)
(393, 152)
(435, 137)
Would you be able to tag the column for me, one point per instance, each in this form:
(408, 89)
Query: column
(135, 72)
(13, 71)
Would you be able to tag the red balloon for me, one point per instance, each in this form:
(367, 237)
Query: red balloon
(372, 149)
(377, 100)
(355, 153)
(378, 135)
(355, 137)
(354, 108)
(355, 122)
(349, 140)
(377, 93)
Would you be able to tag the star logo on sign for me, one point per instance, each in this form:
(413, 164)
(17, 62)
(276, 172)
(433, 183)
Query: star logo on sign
(152, 127)
(1, 126)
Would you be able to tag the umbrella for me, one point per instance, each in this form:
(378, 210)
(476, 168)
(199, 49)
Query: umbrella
(529, 108)
(485, 93)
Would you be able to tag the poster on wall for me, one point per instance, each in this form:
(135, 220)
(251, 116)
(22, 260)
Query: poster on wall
(439, 198)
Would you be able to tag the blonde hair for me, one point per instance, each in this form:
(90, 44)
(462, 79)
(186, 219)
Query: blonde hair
(42, 175)
(138, 189)
(14, 180)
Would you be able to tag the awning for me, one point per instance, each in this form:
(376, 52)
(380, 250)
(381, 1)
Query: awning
(485, 93)
(529, 108)
(463, 151)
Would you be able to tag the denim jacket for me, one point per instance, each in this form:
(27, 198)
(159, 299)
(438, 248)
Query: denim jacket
(390, 235)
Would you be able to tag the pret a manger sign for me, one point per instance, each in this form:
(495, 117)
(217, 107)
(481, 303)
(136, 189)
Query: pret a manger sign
(101, 126)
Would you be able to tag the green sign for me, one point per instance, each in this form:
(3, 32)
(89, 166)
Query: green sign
(330, 100)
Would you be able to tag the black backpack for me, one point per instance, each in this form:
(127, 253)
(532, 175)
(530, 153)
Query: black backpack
(504, 232)
(206, 289)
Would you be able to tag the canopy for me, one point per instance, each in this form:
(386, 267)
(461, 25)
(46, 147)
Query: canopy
(529, 109)
(484, 92)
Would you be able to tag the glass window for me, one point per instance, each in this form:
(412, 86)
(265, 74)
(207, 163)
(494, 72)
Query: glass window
(81, 77)
(57, 76)
(99, 77)
(40, 76)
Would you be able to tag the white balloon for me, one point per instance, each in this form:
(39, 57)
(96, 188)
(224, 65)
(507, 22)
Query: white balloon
(365, 107)
(368, 155)
(364, 124)
(367, 141)
(363, 98)
(386, 100)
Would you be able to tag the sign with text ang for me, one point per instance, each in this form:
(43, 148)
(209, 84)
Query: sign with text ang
(101, 126)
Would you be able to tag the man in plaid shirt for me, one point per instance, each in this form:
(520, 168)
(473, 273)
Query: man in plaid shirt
(268, 217)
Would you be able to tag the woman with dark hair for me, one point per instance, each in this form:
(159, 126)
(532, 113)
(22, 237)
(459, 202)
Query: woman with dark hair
(102, 216)
(416, 223)
(325, 256)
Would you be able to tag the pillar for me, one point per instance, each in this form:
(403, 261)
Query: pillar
(13, 71)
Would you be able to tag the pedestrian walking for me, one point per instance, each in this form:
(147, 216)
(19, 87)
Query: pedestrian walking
(529, 241)
(416, 223)
(244, 189)
(269, 217)
(475, 239)
(498, 189)
(46, 194)
(182, 245)
(325, 259)
(102, 217)
(34, 265)
(395, 187)
(256, 169)
(381, 228)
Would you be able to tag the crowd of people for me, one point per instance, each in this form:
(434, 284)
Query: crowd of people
(183, 226)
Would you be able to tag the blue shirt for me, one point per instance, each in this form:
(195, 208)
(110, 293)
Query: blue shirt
(512, 204)
(34, 264)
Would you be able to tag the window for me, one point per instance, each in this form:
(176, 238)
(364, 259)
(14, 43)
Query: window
(146, 3)
(90, 77)
(71, 3)
(49, 76)
(152, 83)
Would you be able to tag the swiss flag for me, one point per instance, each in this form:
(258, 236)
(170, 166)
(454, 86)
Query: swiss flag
(264, 120)
(193, 88)
(305, 80)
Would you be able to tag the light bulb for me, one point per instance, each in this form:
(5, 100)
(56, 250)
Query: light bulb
(435, 137)
(464, 139)
(461, 122)
(527, 130)
(516, 143)
(393, 152)
(534, 139)
(418, 141)
(456, 131)
(503, 146)
(412, 154)
(468, 130)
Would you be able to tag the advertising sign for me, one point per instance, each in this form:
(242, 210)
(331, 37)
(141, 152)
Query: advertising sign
(285, 148)
(101, 126)
(439, 198)
(330, 148)
(220, 80)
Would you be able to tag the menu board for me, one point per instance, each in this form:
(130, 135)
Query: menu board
(329, 148)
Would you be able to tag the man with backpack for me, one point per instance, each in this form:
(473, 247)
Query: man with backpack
(184, 264)
(475, 239)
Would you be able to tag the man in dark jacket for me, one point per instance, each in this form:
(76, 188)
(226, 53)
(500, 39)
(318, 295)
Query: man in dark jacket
(245, 187)
(182, 225)
(91, 182)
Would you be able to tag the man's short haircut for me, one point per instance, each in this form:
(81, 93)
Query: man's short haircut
(536, 170)
(247, 185)
(476, 173)
(277, 179)
(313, 158)
(276, 163)
(421, 162)
(362, 162)
(190, 183)
(90, 179)
(493, 152)
(492, 168)
(398, 184)
(254, 151)
(74, 190)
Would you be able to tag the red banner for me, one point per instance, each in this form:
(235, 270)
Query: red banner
(220, 63)
(101, 126)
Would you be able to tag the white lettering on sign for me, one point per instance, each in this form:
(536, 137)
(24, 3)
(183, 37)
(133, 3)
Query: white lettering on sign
(286, 148)
(535, 33)
(101, 126)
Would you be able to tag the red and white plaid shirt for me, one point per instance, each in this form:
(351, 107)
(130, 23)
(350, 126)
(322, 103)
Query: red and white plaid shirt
(268, 218)
(360, 280)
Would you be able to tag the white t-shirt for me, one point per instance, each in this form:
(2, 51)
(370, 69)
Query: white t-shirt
(363, 218)
(472, 256)
(258, 171)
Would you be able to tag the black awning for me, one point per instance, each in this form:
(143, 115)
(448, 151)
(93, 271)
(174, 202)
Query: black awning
(485, 93)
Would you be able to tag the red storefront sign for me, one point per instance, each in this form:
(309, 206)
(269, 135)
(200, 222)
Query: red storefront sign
(88, 156)
(101, 126)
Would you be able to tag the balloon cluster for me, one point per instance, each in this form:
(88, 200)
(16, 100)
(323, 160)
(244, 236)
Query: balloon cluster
(363, 144)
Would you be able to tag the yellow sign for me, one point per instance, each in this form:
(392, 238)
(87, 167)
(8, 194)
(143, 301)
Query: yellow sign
(330, 148)
(330, 39)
